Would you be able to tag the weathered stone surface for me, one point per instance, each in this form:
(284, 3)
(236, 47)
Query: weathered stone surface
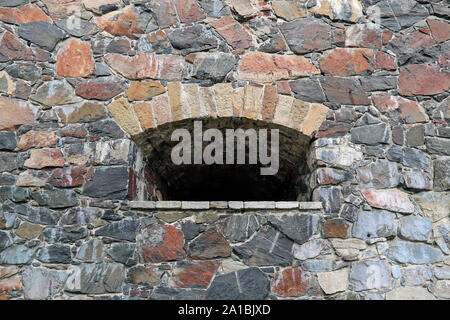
(143, 275)
(5, 240)
(192, 39)
(160, 243)
(298, 227)
(41, 283)
(144, 90)
(165, 12)
(263, 67)
(29, 231)
(336, 228)
(86, 112)
(268, 247)
(347, 10)
(332, 282)
(417, 180)
(8, 161)
(246, 284)
(13, 193)
(409, 293)
(331, 198)
(438, 146)
(344, 91)
(214, 66)
(56, 199)
(306, 35)
(64, 234)
(288, 10)
(91, 251)
(415, 253)
(12, 48)
(124, 22)
(210, 244)
(370, 274)
(233, 32)
(238, 228)
(37, 139)
(307, 90)
(379, 133)
(101, 6)
(310, 249)
(194, 274)
(348, 62)
(108, 278)
(442, 174)
(17, 254)
(8, 141)
(379, 174)
(375, 224)
(23, 14)
(397, 15)
(434, 205)
(74, 59)
(291, 282)
(41, 33)
(348, 249)
(124, 115)
(415, 228)
(100, 89)
(55, 254)
(59, 9)
(439, 29)
(121, 230)
(42, 158)
(415, 275)
(100, 186)
(56, 92)
(389, 199)
(123, 253)
(443, 288)
(15, 113)
(423, 79)
(363, 36)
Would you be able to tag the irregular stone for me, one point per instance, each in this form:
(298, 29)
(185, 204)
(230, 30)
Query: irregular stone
(8, 161)
(379, 174)
(370, 274)
(82, 217)
(266, 248)
(409, 293)
(64, 234)
(100, 186)
(415, 228)
(389, 199)
(442, 272)
(210, 244)
(344, 91)
(13, 193)
(76, 26)
(56, 199)
(29, 231)
(346, 10)
(55, 254)
(414, 253)
(192, 39)
(246, 284)
(17, 254)
(91, 251)
(299, 227)
(41, 283)
(100, 89)
(41, 33)
(434, 205)
(165, 12)
(194, 274)
(95, 278)
(86, 112)
(165, 293)
(233, 32)
(288, 10)
(215, 9)
(348, 249)
(101, 6)
(15, 113)
(239, 228)
(417, 180)
(23, 14)
(334, 281)
(306, 35)
(214, 66)
(74, 59)
(415, 275)
(5, 240)
(307, 90)
(441, 174)
(42, 158)
(263, 67)
(11, 48)
(415, 159)
(379, 133)
(143, 275)
(375, 224)
(8, 141)
(336, 228)
(423, 79)
(38, 215)
(144, 90)
(310, 249)
(331, 198)
(160, 243)
(439, 29)
(291, 282)
(363, 36)
(121, 230)
(56, 92)
(59, 9)
(123, 253)
(438, 146)
(32, 178)
(124, 22)
(348, 62)
(37, 139)
(443, 288)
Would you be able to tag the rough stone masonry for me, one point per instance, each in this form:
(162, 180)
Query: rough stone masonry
(84, 83)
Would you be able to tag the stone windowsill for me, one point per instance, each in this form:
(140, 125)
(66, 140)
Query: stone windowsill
(237, 205)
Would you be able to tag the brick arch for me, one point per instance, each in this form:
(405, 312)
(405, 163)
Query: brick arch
(182, 101)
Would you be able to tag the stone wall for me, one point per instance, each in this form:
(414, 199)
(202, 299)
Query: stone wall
(86, 84)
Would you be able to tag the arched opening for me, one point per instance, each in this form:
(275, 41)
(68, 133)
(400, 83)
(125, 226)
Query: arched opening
(218, 182)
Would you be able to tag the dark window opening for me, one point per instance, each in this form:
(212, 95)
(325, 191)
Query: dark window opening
(243, 182)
